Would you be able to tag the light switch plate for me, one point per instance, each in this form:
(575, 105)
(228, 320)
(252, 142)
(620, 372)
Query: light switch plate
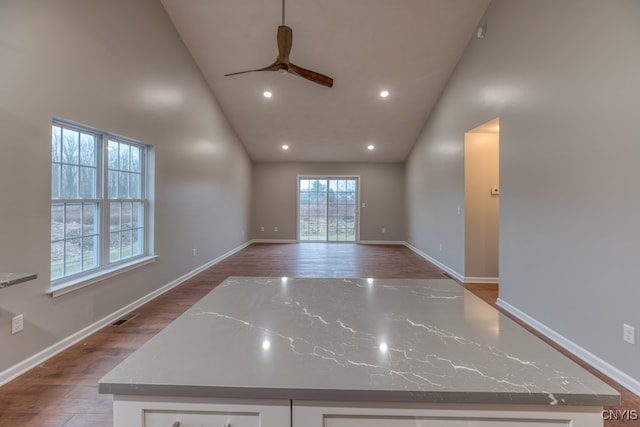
(629, 334)
(17, 323)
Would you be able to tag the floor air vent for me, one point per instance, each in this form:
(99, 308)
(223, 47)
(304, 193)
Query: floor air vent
(124, 319)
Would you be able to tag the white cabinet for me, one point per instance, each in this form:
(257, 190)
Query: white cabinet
(140, 411)
(361, 414)
(137, 411)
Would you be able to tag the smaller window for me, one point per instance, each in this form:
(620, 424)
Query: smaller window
(98, 201)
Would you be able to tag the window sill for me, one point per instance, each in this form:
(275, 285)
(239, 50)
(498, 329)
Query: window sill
(65, 288)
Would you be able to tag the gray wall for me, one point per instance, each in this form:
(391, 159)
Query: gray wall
(274, 198)
(563, 76)
(120, 66)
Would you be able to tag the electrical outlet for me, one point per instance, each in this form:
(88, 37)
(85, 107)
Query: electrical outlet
(384, 229)
(261, 228)
(275, 228)
(17, 323)
(441, 247)
(194, 251)
(629, 334)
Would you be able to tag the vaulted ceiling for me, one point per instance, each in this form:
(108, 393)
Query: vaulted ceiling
(406, 47)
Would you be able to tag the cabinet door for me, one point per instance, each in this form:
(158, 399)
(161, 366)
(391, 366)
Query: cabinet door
(370, 414)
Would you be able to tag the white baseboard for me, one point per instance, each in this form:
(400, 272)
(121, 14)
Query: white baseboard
(482, 280)
(607, 369)
(362, 242)
(274, 241)
(381, 242)
(450, 271)
(40, 357)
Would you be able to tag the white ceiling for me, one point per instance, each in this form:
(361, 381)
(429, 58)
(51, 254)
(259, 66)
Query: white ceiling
(408, 47)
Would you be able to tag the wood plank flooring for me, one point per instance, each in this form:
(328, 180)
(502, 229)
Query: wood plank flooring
(62, 392)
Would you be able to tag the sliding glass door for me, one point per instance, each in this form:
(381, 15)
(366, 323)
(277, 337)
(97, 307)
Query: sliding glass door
(328, 209)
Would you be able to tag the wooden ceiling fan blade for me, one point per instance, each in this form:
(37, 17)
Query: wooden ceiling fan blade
(273, 67)
(313, 76)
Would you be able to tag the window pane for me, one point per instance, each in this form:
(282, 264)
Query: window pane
(73, 221)
(112, 153)
(114, 246)
(89, 217)
(123, 164)
(70, 146)
(87, 150)
(135, 190)
(136, 166)
(69, 182)
(125, 216)
(113, 185)
(136, 242)
(87, 183)
(56, 144)
(57, 222)
(57, 260)
(136, 212)
(123, 185)
(55, 181)
(89, 252)
(114, 217)
(125, 244)
(73, 256)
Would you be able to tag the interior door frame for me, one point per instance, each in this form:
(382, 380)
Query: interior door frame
(328, 177)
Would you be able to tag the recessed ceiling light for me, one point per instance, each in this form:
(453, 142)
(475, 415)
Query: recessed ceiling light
(267, 94)
(384, 93)
(285, 147)
(371, 147)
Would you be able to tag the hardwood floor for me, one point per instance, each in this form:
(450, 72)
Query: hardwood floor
(62, 392)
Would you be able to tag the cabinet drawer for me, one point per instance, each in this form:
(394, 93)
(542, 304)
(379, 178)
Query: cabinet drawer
(390, 414)
(436, 422)
(200, 419)
(158, 411)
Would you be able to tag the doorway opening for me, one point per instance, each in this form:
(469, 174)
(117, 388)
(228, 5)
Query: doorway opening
(328, 209)
(482, 202)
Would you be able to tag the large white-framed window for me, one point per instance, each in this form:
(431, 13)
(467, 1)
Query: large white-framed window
(99, 203)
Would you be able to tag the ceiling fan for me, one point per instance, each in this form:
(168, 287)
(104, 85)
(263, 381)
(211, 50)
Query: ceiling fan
(284, 65)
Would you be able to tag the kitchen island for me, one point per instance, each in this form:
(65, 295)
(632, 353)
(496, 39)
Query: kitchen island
(278, 352)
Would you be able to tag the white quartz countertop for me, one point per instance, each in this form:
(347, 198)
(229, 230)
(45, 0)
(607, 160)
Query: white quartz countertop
(353, 339)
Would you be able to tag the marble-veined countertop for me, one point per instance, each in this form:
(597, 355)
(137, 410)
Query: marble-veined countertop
(353, 339)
